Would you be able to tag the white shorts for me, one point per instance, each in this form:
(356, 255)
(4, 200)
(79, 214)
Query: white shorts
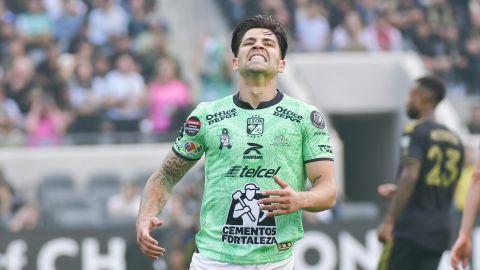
(200, 262)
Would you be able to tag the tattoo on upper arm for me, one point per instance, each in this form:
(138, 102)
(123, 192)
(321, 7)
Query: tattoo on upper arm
(315, 180)
(172, 170)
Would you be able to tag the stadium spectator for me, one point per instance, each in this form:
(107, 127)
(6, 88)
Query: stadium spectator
(439, 15)
(10, 121)
(84, 100)
(10, 109)
(426, 45)
(106, 21)
(15, 213)
(369, 10)
(124, 205)
(338, 9)
(167, 94)
(124, 96)
(347, 36)
(101, 67)
(52, 74)
(68, 25)
(20, 83)
(473, 123)
(7, 26)
(152, 50)
(313, 29)
(405, 15)
(139, 17)
(45, 123)
(15, 48)
(213, 68)
(472, 49)
(34, 25)
(382, 36)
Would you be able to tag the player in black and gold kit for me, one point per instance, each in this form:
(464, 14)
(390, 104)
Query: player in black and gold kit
(416, 227)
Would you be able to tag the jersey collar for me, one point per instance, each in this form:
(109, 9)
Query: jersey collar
(262, 105)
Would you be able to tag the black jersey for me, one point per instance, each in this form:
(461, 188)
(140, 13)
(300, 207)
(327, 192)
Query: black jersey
(425, 218)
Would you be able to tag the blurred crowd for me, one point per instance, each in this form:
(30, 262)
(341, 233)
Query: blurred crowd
(88, 71)
(94, 67)
(445, 33)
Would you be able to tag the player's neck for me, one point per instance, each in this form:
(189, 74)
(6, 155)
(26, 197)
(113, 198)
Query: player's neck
(427, 116)
(256, 92)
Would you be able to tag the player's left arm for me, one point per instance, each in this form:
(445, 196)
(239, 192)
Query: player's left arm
(406, 185)
(321, 196)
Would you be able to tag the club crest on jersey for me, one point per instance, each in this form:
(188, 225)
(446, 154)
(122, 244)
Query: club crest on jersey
(255, 126)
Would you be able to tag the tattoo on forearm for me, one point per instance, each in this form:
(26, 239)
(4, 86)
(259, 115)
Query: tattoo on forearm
(172, 170)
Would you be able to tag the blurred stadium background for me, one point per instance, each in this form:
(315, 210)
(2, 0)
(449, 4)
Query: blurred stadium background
(92, 93)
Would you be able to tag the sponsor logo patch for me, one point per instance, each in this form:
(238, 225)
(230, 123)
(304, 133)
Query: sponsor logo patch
(320, 133)
(317, 119)
(253, 152)
(192, 126)
(246, 223)
(324, 148)
(284, 246)
(259, 172)
(222, 115)
(287, 114)
(192, 148)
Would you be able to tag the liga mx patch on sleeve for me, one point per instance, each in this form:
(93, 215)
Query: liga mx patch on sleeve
(317, 119)
(192, 126)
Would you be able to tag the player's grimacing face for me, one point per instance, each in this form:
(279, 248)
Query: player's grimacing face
(259, 52)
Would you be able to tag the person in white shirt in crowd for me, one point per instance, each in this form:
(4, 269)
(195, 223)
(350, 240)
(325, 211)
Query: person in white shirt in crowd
(106, 21)
(124, 205)
(124, 97)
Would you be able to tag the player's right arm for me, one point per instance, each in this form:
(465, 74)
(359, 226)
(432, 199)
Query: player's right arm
(155, 195)
(462, 248)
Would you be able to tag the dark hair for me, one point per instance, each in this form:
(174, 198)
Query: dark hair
(434, 85)
(259, 21)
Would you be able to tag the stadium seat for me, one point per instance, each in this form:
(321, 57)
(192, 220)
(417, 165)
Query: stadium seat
(103, 185)
(77, 212)
(357, 211)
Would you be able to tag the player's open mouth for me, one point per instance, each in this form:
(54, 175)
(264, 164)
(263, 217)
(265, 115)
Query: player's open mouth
(257, 57)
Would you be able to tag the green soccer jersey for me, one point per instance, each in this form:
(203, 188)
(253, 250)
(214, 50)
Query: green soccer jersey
(244, 148)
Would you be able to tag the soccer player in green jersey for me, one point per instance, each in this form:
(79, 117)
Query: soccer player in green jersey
(416, 227)
(260, 146)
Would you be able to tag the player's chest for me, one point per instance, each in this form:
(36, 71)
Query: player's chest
(251, 135)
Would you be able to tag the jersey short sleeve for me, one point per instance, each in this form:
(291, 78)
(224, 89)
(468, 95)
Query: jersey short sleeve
(190, 143)
(316, 142)
(412, 143)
